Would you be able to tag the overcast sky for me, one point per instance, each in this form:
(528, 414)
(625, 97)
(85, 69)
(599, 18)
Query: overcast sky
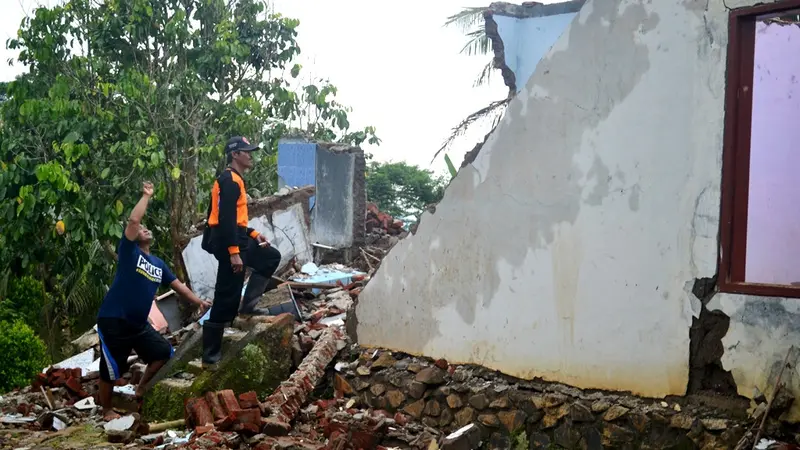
(393, 63)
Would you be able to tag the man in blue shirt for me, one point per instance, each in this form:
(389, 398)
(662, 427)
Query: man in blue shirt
(122, 322)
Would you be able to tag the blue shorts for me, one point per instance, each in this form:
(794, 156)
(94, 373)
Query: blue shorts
(118, 337)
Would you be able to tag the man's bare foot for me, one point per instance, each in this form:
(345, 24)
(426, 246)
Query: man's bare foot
(110, 415)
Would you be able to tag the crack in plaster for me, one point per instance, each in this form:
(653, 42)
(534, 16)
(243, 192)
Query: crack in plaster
(467, 279)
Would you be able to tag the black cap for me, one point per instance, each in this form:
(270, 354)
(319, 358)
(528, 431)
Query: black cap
(239, 144)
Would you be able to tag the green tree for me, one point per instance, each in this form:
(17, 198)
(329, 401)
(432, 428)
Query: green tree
(24, 301)
(121, 91)
(22, 355)
(401, 189)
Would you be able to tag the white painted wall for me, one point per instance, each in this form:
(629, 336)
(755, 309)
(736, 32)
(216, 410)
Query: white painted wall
(568, 249)
(288, 233)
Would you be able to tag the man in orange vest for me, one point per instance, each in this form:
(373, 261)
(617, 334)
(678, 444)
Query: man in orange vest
(235, 245)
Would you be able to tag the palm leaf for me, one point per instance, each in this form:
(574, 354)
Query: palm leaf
(485, 76)
(477, 44)
(450, 167)
(82, 292)
(496, 109)
(467, 18)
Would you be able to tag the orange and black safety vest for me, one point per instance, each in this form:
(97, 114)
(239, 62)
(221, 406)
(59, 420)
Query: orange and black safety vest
(228, 218)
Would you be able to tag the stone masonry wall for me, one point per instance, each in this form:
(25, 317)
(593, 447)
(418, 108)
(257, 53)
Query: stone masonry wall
(449, 397)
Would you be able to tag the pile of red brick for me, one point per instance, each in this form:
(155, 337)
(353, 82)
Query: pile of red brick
(292, 394)
(70, 379)
(378, 219)
(223, 412)
(220, 412)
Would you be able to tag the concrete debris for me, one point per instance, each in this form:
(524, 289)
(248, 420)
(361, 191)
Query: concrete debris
(83, 361)
(85, 404)
(16, 419)
(121, 424)
(465, 438)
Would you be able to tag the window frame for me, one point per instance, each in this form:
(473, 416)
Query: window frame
(736, 152)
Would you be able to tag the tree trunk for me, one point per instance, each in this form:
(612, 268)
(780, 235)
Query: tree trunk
(183, 205)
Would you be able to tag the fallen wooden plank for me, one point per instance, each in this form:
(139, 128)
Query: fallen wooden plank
(165, 295)
(164, 426)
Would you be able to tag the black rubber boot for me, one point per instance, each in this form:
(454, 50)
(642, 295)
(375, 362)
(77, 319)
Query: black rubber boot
(252, 294)
(212, 344)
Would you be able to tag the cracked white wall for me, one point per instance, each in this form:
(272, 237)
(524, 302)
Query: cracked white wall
(564, 250)
(569, 248)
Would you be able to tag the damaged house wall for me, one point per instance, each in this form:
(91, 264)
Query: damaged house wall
(526, 33)
(297, 164)
(341, 201)
(762, 328)
(570, 248)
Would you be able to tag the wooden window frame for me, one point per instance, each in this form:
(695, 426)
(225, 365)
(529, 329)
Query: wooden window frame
(736, 152)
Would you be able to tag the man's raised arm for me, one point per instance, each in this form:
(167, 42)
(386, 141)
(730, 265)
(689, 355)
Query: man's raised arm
(135, 219)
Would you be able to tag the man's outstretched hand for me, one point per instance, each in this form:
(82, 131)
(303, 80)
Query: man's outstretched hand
(147, 189)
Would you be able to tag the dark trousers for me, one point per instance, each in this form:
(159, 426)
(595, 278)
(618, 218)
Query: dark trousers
(228, 290)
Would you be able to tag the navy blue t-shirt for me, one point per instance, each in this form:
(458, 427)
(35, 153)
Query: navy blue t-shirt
(135, 284)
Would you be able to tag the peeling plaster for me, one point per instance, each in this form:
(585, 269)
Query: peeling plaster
(761, 331)
(569, 247)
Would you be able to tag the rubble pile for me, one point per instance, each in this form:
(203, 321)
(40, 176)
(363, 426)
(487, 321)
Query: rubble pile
(293, 381)
(70, 379)
(378, 219)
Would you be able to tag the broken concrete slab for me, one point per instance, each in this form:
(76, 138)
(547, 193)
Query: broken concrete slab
(258, 361)
(121, 423)
(82, 361)
(87, 340)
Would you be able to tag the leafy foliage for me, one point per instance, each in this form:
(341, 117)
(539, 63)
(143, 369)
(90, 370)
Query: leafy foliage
(450, 167)
(520, 440)
(401, 189)
(471, 22)
(22, 355)
(24, 300)
(122, 91)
